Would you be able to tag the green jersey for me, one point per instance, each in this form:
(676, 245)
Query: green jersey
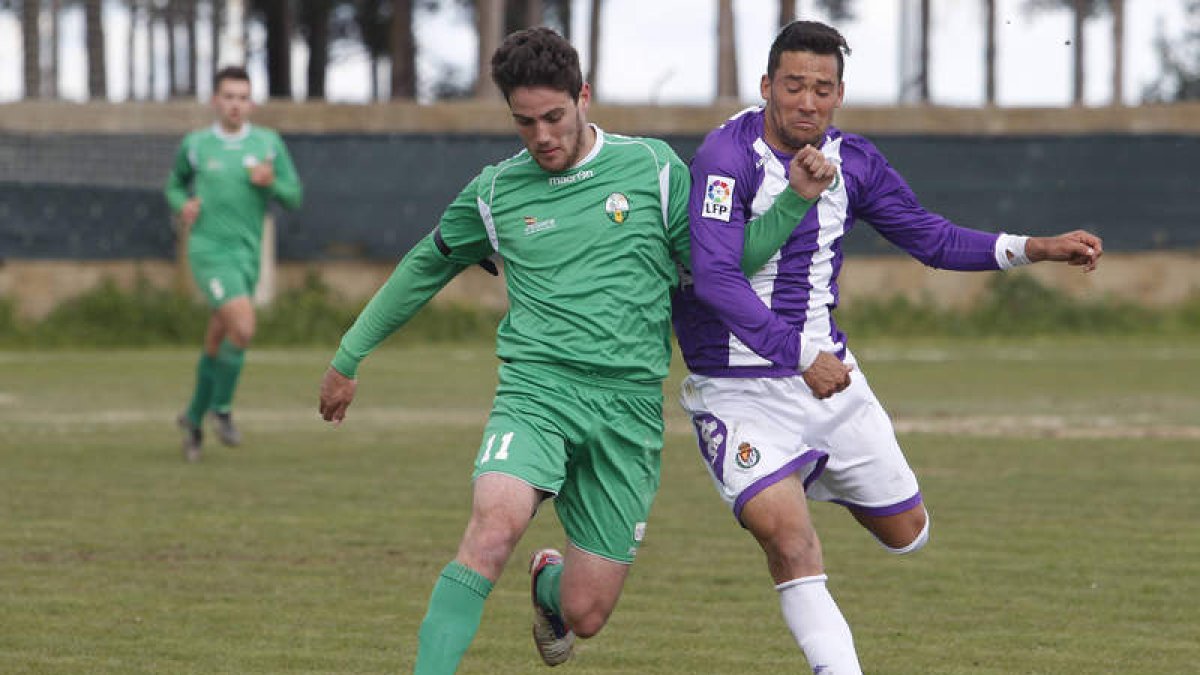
(591, 256)
(215, 166)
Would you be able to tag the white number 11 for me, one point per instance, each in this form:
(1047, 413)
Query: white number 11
(502, 453)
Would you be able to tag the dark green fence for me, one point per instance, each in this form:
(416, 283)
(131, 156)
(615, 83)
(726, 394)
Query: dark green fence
(98, 196)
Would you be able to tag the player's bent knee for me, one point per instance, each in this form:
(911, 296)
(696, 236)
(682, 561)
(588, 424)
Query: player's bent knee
(916, 544)
(587, 624)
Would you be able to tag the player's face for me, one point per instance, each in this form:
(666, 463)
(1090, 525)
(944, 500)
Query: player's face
(552, 125)
(232, 103)
(800, 100)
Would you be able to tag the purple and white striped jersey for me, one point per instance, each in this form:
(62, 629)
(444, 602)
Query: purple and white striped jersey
(731, 326)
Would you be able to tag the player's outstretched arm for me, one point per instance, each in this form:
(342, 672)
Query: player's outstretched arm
(1078, 248)
(337, 392)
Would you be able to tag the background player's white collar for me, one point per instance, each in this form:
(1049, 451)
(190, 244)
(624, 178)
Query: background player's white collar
(595, 147)
(235, 136)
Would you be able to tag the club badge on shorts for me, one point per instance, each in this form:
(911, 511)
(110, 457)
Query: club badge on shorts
(747, 456)
(617, 207)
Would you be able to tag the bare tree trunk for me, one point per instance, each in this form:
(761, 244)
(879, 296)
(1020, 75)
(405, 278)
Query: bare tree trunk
(217, 19)
(923, 55)
(1118, 39)
(594, 45)
(535, 12)
(989, 52)
(787, 12)
(404, 51)
(150, 12)
(50, 78)
(727, 75)
(131, 49)
(31, 48)
(278, 19)
(316, 19)
(170, 19)
(489, 20)
(1080, 7)
(97, 70)
(193, 58)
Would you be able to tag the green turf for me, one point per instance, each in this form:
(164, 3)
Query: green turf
(1065, 511)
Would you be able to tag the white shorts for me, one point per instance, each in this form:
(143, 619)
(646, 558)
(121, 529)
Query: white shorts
(754, 432)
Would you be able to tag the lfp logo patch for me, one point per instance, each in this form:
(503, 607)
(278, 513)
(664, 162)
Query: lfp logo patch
(718, 198)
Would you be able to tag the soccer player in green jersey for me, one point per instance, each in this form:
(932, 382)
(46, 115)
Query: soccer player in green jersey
(220, 184)
(592, 229)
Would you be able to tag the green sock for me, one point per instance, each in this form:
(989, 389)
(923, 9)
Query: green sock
(546, 590)
(202, 394)
(229, 362)
(455, 608)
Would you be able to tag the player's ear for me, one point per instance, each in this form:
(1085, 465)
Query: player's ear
(764, 87)
(841, 94)
(585, 97)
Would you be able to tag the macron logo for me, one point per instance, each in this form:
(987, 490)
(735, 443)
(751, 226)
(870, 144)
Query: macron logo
(582, 174)
(718, 198)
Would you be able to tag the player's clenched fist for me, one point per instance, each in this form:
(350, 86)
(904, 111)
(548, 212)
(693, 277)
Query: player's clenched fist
(810, 172)
(1079, 248)
(337, 391)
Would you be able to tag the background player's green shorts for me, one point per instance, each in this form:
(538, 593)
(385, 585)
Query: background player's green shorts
(597, 445)
(224, 278)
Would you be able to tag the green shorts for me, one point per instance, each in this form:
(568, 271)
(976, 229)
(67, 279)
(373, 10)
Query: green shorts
(222, 279)
(595, 445)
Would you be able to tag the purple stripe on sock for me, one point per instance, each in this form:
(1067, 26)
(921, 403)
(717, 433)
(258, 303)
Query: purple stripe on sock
(891, 510)
(779, 474)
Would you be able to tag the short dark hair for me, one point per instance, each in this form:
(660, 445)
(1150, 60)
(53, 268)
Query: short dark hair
(229, 73)
(808, 36)
(537, 57)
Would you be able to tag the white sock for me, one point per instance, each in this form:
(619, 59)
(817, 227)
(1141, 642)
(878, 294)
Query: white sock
(818, 626)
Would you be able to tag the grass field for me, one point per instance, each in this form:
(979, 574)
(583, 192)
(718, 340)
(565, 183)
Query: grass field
(1061, 477)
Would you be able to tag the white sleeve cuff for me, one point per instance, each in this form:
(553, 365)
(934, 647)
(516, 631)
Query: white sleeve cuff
(1010, 251)
(808, 353)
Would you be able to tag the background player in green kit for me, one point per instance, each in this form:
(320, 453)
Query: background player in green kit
(592, 228)
(220, 184)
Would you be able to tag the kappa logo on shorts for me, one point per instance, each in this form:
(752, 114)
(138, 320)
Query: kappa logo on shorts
(747, 456)
(718, 198)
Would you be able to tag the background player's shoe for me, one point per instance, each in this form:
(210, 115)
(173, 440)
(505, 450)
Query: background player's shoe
(228, 433)
(193, 437)
(554, 641)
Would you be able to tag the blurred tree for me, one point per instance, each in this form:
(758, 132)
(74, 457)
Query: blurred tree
(314, 25)
(1179, 78)
(193, 60)
(593, 69)
(403, 51)
(94, 32)
(727, 79)
(838, 10)
(279, 22)
(489, 23)
(520, 14)
(1081, 11)
(1117, 7)
(989, 52)
(31, 38)
(170, 22)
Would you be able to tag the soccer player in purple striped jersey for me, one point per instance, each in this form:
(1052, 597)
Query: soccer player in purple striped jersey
(780, 411)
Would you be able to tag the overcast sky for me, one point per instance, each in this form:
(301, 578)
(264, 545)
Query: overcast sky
(664, 51)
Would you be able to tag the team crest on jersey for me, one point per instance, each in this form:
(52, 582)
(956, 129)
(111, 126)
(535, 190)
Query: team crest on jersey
(718, 197)
(617, 207)
(747, 455)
